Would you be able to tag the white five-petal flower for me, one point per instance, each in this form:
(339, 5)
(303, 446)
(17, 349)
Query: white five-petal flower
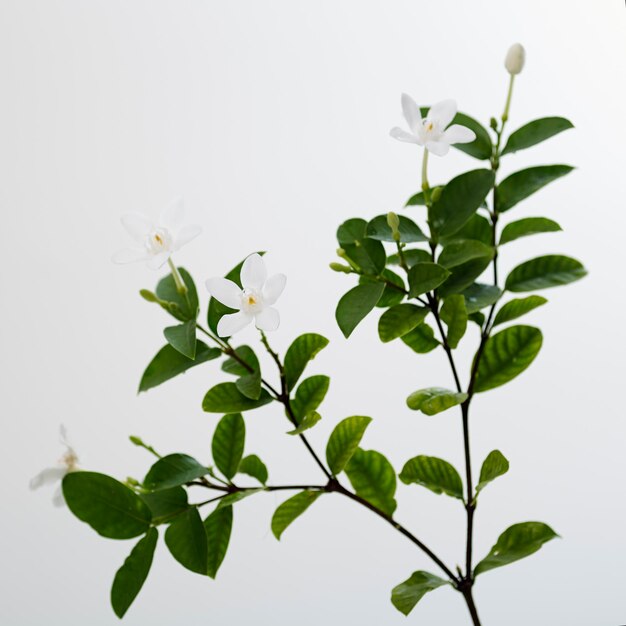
(51, 475)
(156, 240)
(253, 302)
(433, 132)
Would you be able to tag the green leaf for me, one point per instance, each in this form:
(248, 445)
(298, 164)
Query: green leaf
(300, 352)
(424, 277)
(454, 314)
(130, 578)
(108, 506)
(478, 318)
(292, 508)
(477, 228)
(478, 296)
(515, 543)
(399, 320)
(551, 270)
(407, 594)
(373, 478)
(308, 421)
(493, 466)
(367, 254)
(410, 232)
(235, 367)
(524, 183)
(419, 199)
(462, 276)
(517, 307)
(253, 466)
(535, 132)
(169, 363)
(187, 541)
(309, 395)
(356, 304)
(506, 355)
(226, 398)
(228, 443)
(463, 250)
(344, 441)
(460, 199)
(421, 339)
(173, 470)
(527, 226)
(391, 295)
(167, 504)
(186, 306)
(237, 496)
(218, 526)
(411, 256)
(435, 474)
(183, 338)
(351, 231)
(250, 385)
(433, 400)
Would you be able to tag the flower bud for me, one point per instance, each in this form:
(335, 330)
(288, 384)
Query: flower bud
(515, 58)
(148, 295)
(394, 223)
(436, 194)
(493, 123)
(338, 267)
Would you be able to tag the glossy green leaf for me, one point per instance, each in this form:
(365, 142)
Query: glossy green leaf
(187, 541)
(344, 441)
(463, 276)
(166, 504)
(300, 352)
(419, 199)
(411, 257)
(292, 508)
(460, 199)
(433, 400)
(524, 183)
(373, 478)
(218, 527)
(517, 307)
(506, 355)
(253, 466)
(407, 594)
(421, 339)
(308, 421)
(186, 306)
(454, 315)
(237, 496)
(183, 338)
(169, 363)
(393, 293)
(478, 318)
(228, 443)
(109, 507)
(535, 132)
(493, 466)
(410, 232)
(173, 470)
(130, 578)
(478, 296)
(234, 366)
(351, 231)
(424, 277)
(309, 395)
(250, 385)
(477, 228)
(527, 226)
(515, 543)
(463, 250)
(368, 254)
(226, 398)
(356, 304)
(399, 320)
(551, 270)
(435, 474)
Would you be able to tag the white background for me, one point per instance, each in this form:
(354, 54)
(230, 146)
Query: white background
(272, 119)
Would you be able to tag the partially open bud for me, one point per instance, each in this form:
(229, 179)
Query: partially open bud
(338, 267)
(394, 223)
(515, 58)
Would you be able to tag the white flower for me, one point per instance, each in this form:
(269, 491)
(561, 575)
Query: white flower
(51, 475)
(157, 241)
(253, 302)
(515, 57)
(432, 132)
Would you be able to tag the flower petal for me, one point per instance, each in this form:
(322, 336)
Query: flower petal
(225, 291)
(173, 215)
(232, 323)
(130, 255)
(411, 113)
(273, 287)
(58, 499)
(253, 272)
(459, 134)
(402, 135)
(440, 148)
(443, 112)
(137, 225)
(186, 234)
(47, 476)
(158, 260)
(267, 319)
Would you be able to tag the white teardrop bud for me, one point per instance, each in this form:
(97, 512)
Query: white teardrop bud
(515, 58)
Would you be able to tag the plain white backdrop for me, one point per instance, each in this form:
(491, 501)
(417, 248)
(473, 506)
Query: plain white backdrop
(272, 119)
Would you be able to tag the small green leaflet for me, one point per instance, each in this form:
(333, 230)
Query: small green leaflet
(292, 508)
